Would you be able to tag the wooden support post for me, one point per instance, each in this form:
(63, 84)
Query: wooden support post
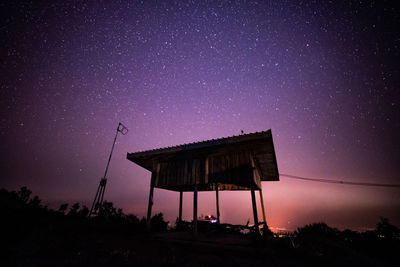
(253, 199)
(217, 199)
(150, 200)
(195, 212)
(180, 206)
(262, 206)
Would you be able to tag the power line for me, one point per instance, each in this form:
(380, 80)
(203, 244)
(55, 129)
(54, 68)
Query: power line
(336, 181)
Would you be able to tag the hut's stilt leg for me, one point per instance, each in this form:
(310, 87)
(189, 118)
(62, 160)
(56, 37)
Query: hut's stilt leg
(253, 199)
(150, 202)
(180, 206)
(195, 212)
(217, 199)
(262, 206)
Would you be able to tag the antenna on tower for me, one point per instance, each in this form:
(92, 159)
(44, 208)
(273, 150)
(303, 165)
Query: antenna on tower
(98, 199)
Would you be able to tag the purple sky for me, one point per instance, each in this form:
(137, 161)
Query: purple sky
(323, 76)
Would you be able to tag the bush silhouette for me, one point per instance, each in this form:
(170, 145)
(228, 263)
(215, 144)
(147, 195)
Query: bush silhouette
(157, 223)
(84, 211)
(317, 229)
(74, 209)
(63, 208)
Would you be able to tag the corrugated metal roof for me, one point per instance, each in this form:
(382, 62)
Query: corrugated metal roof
(195, 145)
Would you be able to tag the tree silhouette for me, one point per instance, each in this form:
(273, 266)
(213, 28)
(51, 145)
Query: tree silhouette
(83, 212)
(24, 194)
(387, 230)
(35, 202)
(74, 210)
(63, 208)
(157, 223)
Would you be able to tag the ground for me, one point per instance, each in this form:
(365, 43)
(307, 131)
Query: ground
(33, 235)
(176, 248)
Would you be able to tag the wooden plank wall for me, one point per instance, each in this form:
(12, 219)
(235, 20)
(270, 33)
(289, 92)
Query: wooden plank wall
(234, 168)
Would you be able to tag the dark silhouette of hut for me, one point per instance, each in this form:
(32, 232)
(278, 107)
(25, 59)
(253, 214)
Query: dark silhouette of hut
(234, 163)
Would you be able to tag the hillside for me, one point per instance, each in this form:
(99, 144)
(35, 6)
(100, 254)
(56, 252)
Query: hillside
(33, 235)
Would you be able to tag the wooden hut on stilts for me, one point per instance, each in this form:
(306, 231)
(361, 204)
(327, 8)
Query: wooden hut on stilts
(234, 163)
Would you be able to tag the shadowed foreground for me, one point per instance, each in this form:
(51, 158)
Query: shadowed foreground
(33, 235)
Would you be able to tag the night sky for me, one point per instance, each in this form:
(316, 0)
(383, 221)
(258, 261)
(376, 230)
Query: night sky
(323, 75)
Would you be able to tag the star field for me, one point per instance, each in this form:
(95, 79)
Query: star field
(322, 75)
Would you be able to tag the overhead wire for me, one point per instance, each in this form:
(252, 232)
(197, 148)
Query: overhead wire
(337, 181)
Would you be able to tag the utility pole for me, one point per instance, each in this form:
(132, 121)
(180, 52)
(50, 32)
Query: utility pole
(98, 199)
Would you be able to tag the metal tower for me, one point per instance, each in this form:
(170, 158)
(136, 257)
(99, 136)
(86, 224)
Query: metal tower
(98, 199)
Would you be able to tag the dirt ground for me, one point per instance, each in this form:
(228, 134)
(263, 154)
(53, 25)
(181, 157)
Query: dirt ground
(174, 249)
